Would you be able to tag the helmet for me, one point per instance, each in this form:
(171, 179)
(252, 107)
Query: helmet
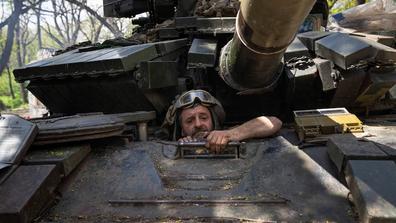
(189, 99)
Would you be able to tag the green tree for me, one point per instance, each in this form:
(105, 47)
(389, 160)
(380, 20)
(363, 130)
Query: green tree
(337, 6)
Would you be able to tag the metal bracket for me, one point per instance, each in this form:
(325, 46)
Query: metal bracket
(197, 150)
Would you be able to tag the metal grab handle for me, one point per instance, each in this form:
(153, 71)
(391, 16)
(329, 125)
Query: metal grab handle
(203, 143)
(181, 147)
(194, 150)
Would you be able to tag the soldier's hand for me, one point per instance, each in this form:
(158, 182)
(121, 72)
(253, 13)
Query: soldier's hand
(218, 140)
(198, 136)
(187, 139)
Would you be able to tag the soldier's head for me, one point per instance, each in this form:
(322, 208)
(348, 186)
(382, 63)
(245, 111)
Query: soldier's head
(193, 112)
(195, 119)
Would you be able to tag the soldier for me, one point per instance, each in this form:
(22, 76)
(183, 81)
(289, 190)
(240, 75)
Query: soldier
(197, 115)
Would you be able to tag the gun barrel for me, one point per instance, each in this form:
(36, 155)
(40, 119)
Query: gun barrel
(264, 29)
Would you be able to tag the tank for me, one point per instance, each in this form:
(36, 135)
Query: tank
(257, 58)
(240, 58)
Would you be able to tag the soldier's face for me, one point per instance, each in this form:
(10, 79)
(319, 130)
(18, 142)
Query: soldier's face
(195, 119)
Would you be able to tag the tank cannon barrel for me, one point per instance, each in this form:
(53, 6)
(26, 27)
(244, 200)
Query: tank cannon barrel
(264, 29)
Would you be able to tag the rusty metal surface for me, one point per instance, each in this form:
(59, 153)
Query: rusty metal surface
(273, 169)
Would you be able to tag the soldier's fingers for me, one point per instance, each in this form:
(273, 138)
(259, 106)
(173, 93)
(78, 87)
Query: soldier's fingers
(212, 144)
(224, 142)
(189, 139)
(207, 145)
(208, 142)
(210, 136)
(218, 144)
(218, 149)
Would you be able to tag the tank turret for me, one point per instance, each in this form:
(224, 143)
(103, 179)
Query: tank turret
(268, 58)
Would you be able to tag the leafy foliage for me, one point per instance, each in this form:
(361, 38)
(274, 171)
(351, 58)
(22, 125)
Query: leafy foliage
(11, 103)
(337, 6)
(5, 95)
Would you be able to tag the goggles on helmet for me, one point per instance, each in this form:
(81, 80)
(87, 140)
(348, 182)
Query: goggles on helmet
(189, 98)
